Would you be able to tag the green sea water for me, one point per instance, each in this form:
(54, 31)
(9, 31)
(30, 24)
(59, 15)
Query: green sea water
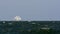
(33, 27)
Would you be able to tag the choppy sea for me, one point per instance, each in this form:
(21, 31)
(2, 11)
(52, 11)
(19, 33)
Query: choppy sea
(29, 27)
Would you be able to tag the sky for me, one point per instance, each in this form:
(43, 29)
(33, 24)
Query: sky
(30, 9)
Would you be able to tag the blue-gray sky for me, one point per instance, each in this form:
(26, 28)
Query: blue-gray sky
(30, 9)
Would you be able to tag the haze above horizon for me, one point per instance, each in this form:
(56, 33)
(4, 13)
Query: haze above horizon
(30, 9)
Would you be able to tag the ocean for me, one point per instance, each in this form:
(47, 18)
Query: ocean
(29, 27)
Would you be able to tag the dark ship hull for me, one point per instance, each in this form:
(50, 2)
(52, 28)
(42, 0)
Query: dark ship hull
(29, 27)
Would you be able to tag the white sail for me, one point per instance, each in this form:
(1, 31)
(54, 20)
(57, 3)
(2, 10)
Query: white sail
(17, 18)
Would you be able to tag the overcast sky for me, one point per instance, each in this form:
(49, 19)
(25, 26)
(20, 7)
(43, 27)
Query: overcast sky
(30, 9)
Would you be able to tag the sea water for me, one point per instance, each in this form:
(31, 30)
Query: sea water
(32, 27)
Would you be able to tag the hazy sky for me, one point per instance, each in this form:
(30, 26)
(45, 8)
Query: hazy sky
(30, 9)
